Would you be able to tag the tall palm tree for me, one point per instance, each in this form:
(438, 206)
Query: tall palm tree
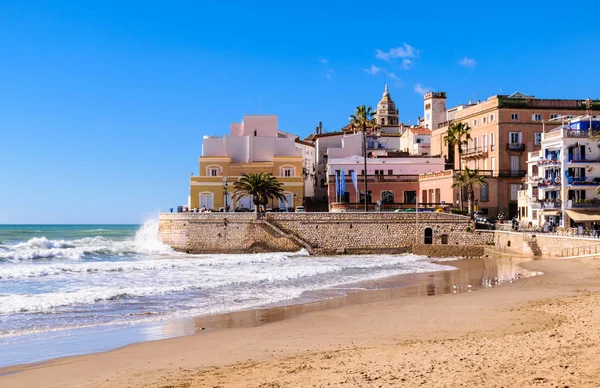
(458, 136)
(469, 179)
(361, 120)
(261, 187)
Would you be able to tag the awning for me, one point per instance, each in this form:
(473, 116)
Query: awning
(583, 215)
(550, 213)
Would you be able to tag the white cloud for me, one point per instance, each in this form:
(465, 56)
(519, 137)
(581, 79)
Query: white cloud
(467, 62)
(406, 51)
(324, 60)
(407, 63)
(329, 73)
(373, 70)
(420, 89)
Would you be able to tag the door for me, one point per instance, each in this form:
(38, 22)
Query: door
(514, 164)
(428, 236)
(206, 200)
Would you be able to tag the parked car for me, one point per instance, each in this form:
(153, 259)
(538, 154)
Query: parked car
(485, 223)
(300, 209)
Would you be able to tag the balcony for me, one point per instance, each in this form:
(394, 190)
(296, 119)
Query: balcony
(477, 152)
(583, 182)
(511, 173)
(531, 179)
(546, 183)
(583, 204)
(548, 162)
(549, 204)
(515, 147)
(574, 159)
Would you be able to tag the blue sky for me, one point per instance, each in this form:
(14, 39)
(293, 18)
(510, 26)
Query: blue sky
(103, 105)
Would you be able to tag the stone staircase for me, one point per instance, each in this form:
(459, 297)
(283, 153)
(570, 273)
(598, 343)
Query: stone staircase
(276, 231)
(535, 248)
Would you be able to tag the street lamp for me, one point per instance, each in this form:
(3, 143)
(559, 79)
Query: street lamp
(225, 192)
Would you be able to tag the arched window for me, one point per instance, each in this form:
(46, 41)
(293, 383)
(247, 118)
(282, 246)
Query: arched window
(382, 121)
(387, 196)
(287, 171)
(214, 170)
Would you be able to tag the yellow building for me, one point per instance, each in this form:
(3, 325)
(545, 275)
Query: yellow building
(254, 145)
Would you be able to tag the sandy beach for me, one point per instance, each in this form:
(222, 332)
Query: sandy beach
(539, 331)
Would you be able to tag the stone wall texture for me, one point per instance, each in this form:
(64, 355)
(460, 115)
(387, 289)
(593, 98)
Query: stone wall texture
(319, 233)
(548, 244)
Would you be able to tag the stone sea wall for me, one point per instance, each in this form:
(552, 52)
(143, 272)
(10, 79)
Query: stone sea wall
(320, 233)
(550, 245)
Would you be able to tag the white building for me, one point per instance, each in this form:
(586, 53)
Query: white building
(415, 140)
(564, 175)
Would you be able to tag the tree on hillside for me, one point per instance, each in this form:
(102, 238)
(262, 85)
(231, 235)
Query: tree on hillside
(469, 179)
(458, 136)
(260, 187)
(361, 120)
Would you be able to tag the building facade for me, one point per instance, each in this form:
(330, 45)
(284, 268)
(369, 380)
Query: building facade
(392, 176)
(503, 130)
(254, 145)
(563, 176)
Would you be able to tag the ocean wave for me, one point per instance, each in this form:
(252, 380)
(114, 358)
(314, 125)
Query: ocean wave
(145, 242)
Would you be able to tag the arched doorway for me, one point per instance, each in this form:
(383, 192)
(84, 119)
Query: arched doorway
(428, 236)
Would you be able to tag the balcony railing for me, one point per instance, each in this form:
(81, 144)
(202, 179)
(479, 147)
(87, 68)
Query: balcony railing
(573, 159)
(548, 162)
(583, 203)
(475, 151)
(549, 182)
(516, 147)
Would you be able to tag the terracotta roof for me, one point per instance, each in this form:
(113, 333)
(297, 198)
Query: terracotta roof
(420, 131)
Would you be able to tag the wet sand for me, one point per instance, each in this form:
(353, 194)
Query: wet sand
(536, 331)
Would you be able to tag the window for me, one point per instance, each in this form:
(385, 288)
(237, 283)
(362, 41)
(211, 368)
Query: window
(254, 133)
(514, 116)
(514, 191)
(382, 121)
(475, 143)
(387, 196)
(427, 106)
(485, 164)
(514, 164)
(537, 138)
(492, 140)
(410, 197)
(213, 171)
(475, 122)
(492, 163)
(514, 137)
(390, 172)
(289, 171)
(484, 193)
(484, 143)
(536, 117)
(492, 118)
(483, 120)
(554, 116)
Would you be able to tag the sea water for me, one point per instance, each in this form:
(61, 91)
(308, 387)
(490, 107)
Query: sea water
(67, 284)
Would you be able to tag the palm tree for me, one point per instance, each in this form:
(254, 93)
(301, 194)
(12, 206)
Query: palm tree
(469, 179)
(361, 120)
(261, 187)
(458, 136)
